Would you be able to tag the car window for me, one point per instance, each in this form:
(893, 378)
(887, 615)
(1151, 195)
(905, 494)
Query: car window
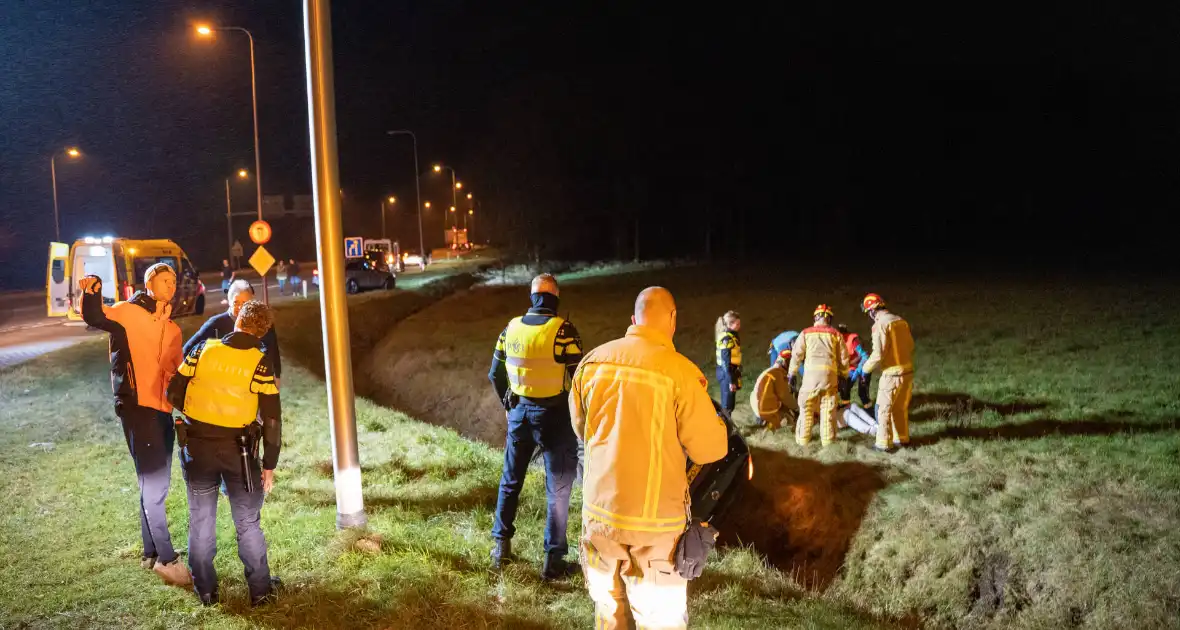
(189, 270)
(142, 263)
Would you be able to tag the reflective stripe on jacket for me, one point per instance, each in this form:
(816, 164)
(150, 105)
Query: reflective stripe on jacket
(224, 384)
(641, 407)
(893, 345)
(533, 371)
(818, 350)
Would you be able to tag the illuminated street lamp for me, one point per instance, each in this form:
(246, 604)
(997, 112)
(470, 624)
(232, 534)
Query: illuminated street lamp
(438, 168)
(388, 200)
(206, 31)
(72, 153)
(229, 220)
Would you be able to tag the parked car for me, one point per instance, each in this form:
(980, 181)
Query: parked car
(361, 274)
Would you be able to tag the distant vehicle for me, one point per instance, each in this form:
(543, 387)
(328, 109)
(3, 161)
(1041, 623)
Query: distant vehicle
(715, 486)
(389, 250)
(414, 257)
(361, 274)
(120, 263)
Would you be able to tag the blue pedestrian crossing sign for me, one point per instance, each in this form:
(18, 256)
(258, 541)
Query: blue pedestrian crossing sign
(353, 247)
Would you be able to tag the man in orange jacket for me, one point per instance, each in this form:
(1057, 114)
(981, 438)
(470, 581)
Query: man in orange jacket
(641, 408)
(145, 353)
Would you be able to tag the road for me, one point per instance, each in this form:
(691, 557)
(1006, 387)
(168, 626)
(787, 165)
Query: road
(26, 331)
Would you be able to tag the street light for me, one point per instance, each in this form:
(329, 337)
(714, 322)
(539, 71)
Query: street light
(469, 195)
(388, 200)
(417, 190)
(229, 220)
(458, 185)
(72, 153)
(454, 185)
(206, 31)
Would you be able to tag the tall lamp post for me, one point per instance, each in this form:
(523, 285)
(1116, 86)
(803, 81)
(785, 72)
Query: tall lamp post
(417, 191)
(455, 186)
(229, 221)
(71, 153)
(206, 31)
(390, 200)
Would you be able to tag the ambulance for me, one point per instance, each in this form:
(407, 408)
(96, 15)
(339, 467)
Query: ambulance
(120, 263)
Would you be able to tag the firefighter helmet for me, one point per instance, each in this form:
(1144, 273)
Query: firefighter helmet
(871, 301)
(823, 310)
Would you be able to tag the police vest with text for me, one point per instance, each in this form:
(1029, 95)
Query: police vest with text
(533, 372)
(223, 390)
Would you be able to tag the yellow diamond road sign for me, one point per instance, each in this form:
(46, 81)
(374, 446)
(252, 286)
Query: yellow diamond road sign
(261, 260)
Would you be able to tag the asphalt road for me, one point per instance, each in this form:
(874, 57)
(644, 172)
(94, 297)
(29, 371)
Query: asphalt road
(26, 331)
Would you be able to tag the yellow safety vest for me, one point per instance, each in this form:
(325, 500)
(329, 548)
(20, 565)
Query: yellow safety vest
(533, 372)
(221, 390)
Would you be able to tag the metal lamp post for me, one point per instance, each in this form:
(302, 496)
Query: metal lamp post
(417, 191)
(72, 153)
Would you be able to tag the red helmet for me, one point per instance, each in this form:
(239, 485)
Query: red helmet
(871, 302)
(823, 310)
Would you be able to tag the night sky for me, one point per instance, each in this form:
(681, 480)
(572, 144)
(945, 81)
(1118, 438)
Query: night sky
(865, 135)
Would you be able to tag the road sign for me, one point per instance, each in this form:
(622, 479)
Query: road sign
(236, 250)
(260, 232)
(354, 247)
(261, 261)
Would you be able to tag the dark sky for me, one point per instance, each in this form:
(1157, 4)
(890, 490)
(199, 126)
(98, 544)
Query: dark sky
(954, 134)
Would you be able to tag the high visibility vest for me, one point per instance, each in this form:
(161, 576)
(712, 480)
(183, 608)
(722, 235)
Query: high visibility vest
(221, 390)
(729, 341)
(533, 372)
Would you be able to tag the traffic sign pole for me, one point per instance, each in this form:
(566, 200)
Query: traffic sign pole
(260, 234)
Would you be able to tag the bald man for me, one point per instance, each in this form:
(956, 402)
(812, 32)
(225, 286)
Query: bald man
(534, 360)
(641, 408)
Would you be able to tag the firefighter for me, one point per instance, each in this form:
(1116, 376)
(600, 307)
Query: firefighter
(772, 400)
(223, 387)
(893, 355)
(729, 358)
(145, 350)
(641, 408)
(857, 355)
(535, 357)
(821, 351)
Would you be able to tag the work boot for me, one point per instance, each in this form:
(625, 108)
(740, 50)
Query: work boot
(147, 562)
(174, 573)
(209, 599)
(501, 554)
(270, 596)
(556, 568)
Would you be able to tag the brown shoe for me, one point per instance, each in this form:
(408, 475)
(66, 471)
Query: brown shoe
(174, 573)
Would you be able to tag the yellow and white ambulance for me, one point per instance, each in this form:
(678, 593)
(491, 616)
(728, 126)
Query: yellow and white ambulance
(121, 263)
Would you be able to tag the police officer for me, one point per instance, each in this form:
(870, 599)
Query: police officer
(222, 387)
(534, 361)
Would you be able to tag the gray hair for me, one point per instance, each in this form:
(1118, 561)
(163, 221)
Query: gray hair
(236, 287)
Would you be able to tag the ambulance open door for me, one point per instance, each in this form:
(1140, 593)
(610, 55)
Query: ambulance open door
(57, 280)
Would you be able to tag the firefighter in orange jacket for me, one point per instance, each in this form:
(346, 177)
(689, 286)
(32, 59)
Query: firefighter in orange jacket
(820, 350)
(893, 354)
(641, 408)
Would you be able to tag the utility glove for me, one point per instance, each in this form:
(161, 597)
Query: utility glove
(693, 549)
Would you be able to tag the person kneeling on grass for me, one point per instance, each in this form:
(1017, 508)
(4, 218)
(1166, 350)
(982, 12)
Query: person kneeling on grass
(772, 400)
(221, 388)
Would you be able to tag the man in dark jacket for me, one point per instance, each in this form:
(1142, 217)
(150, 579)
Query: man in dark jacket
(223, 388)
(221, 325)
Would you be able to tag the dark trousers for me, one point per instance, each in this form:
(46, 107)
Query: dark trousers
(208, 462)
(862, 389)
(728, 398)
(150, 436)
(530, 426)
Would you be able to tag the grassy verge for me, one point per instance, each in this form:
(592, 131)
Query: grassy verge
(1043, 491)
(69, 541)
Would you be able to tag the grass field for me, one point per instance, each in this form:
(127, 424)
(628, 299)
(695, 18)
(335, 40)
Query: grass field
(1043, 492)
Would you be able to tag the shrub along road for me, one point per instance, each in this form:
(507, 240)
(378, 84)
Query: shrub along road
(1043, 492)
